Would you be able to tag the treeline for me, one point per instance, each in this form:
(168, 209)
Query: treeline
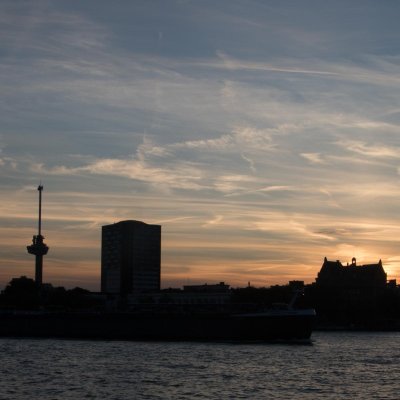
(23, 294)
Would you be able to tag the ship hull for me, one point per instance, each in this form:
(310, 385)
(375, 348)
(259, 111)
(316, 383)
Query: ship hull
(244, 327)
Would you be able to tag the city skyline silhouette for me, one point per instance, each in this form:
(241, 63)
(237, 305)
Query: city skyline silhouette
(39, 249)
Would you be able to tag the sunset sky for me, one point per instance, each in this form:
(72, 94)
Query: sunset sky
(262, 135)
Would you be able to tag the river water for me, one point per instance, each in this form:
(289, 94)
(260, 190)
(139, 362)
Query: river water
(336, 365)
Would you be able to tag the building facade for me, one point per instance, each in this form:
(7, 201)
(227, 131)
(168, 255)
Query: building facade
(353, 276)
(130, 257)
(350, 294)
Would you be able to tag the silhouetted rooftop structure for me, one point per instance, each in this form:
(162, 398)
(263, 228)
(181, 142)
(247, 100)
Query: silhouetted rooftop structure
(219, 287)
(334, 274)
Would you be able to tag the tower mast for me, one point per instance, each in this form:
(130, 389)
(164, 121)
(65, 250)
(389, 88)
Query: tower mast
(40, 188)
(38, 248)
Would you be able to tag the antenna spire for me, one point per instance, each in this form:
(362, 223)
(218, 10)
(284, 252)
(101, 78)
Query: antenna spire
(40, 188)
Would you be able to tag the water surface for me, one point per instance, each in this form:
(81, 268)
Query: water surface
(335, 366)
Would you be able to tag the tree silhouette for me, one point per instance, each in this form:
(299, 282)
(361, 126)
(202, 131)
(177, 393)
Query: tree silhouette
(21, 293)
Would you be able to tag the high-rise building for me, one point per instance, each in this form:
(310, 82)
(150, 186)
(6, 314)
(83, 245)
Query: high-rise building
(130, 257)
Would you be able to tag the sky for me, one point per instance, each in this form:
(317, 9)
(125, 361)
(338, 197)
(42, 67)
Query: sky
(262, 135)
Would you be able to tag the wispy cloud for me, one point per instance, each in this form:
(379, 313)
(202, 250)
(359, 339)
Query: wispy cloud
(313, 158)
(241, 138)
(235, 64)
(182, 176)
(369, 150)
